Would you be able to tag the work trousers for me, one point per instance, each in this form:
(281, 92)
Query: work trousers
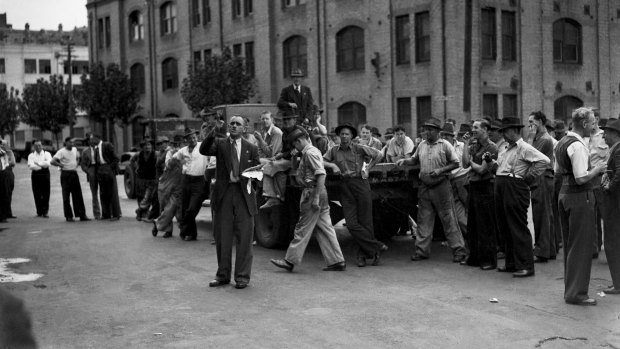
(542, 212)
(356, 201)
(611, 219)
(41, 190)
(598, 216)
(71, 190)
(91, 175)
(274, 179)
(482, 226)
(512, 199)
(577, 222)
(4, 195)
(193, 191)
(149, 199)
(11, 186)
(460, 201)
(437, 200)
(557, 229)
(169, 209)
(108, 192)
(314, 220)
(234, 223)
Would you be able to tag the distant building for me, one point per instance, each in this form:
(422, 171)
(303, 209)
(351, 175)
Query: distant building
(26, 56)
(380, 62)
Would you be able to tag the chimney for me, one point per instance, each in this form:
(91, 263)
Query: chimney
(27, 26)
(60, 27)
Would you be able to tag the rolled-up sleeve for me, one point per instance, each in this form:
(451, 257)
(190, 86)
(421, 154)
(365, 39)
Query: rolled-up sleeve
(315, 161)
(579, 155)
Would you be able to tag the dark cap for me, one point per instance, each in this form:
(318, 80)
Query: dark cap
(433, 122)
(496, 124)
(448, 129)
(189, 132)
(464, 128)
(510, 122)
(349, 126)
(612, 125)
(297, 132)
(162, 139)
(297, 73)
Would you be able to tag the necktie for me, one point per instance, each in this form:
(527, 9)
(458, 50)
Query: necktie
(297, 89)
(235, 160)
(97, 160)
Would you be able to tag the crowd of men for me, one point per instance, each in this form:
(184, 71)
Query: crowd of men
(479, 182)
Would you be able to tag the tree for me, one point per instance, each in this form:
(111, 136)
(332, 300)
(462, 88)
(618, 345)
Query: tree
(9, 112)
(221, 79)
(108, 96)
(46, 105)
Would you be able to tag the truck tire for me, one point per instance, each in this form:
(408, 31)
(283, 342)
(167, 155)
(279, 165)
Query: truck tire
(129, 179)
(268, 227)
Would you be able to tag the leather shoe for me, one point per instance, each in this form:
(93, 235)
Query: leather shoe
(270, 203)
(114, 219)
(612, 290)
(418, 257)
(459, 258)
(70, 220)
(241, 285)
(336, 267)
(383, 248)
(361, 262)
(523, 273)
(189, 238)
(283, 263)
(216, 283)
(168, 234)
(154, 231)
(588, 301)
(11, 217)
(487, 267)
(505, 269)
(538, 259)
(376, 260)
(501, 255)
(84, 219)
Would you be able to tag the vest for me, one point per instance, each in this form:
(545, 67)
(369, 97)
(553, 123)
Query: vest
(565, 168)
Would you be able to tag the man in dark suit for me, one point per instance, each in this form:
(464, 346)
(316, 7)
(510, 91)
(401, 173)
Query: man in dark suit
(106, 161)
(611, 201)
(88, 165)
(296, 99)
(233, 200)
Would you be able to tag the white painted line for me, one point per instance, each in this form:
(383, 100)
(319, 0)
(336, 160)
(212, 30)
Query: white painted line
(35, 232)
(7, 275)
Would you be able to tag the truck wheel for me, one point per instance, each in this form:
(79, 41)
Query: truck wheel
(335, 212)
(267, 229)
(386, 222)
(129, 180)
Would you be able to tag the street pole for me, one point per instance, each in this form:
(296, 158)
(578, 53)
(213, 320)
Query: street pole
(70, 88)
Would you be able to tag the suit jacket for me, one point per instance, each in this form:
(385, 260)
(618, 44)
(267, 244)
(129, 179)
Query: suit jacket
(303, 100)
(221, 149)
(86, 160)
(611, 198)
(109, 155)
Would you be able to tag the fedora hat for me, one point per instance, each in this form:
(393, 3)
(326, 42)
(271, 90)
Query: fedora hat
(433, 122)
(350, 127)
(189, 132)
(464, 128)
(612, 125)
(550, 125)
(297, 73)
(162, 139)
(448, 129)
(496, 124)
(297, 132)
(510, 122)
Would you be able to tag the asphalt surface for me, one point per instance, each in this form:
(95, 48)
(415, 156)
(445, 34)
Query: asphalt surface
(112, 285)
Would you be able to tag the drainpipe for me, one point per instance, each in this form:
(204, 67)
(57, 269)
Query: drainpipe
(221, 19)
(443, 59)
(392, 63)
(318, 42)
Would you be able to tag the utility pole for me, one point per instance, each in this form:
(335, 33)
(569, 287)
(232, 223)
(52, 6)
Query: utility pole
(70, 86)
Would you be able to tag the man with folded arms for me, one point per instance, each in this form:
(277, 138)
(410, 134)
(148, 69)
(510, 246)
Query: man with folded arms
(437, 158)
(313, 207)
(516, 169)
(611, 202)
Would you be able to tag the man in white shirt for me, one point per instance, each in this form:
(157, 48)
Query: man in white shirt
(39, 163)
(599, 154)
(399, 147)
(458, 178)
(68, 159)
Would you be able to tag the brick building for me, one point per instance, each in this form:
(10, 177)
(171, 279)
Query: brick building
(383, 62)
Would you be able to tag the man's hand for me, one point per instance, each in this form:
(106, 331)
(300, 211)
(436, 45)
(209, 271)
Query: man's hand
(600, 168)
(219, 123)
(336, 170)
(293, 105)
(315, 200)
(258, 136)
(365, 173)
(400, 162)
(436, 172)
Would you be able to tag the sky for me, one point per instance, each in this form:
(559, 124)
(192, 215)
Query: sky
(45, 14)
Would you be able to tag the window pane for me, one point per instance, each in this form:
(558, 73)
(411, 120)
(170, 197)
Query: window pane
(404, 112)
(30, 66)
(489, 105)
(509, 34)
(488, 33)
(350, 49)
(353, 113)
(402, 39)
(45, 66)
(422, 36)
(423, 110)
(510, 105)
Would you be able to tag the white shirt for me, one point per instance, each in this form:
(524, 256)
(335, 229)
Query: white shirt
(579, 156)
(459, 171)
(39, 161)
(101, 161)
(68, 158)
(194, 163)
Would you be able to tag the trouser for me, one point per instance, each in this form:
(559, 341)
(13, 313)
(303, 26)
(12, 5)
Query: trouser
(108, 192)
(610, 203)
(234, 223)
(169, 209)
(356, 201)
(274, 179)
(433, 201)
(557, 229)
(4, 195)
(94, 190)
(71, 190)
(512, 198)
(11, 186)
(209, 175)
(149, 198)
(314, 220)
(193, 190)
(41, 190)
(481, 234)
(460, 201)
(542, 211)
(598, 216)
(577, 221)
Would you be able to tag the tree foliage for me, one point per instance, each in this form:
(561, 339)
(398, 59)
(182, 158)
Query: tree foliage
(9, 110)
(45, 105)
(220, 79)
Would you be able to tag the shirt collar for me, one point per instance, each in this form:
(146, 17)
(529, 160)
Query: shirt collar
(270, 130)
(579, 138)
(306, 148)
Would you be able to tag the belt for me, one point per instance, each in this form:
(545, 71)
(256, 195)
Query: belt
(509, 175)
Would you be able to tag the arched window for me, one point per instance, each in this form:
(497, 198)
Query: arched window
(353, 113)
(136, 76)
(170, 78)
(295, 55)
(566, 41)
(350, 49)
(137, 130)
(168, 18)
(136, 26)
(564, 106)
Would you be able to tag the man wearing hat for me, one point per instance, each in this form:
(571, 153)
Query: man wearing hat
(576, 206)
(599, 153)
(400, 146)
(611, 200)
(194, 166)
(314, 209)
(516, 169)
(542, 192)
(233, 201)
(458, 176)
(347, 159)
(295, 98)
(437, 158)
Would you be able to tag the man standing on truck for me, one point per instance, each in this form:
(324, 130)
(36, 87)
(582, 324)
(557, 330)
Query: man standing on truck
(295, 98)
(314, 209)
(437, 158)
(39, 162)
(348, 159)
(269, 137)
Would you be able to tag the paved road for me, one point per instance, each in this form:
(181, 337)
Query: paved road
(112, 285)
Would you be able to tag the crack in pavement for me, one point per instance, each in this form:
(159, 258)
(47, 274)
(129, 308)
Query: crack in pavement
(550, 339)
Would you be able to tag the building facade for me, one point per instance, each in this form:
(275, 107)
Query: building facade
(26, 56)
(382, 62)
